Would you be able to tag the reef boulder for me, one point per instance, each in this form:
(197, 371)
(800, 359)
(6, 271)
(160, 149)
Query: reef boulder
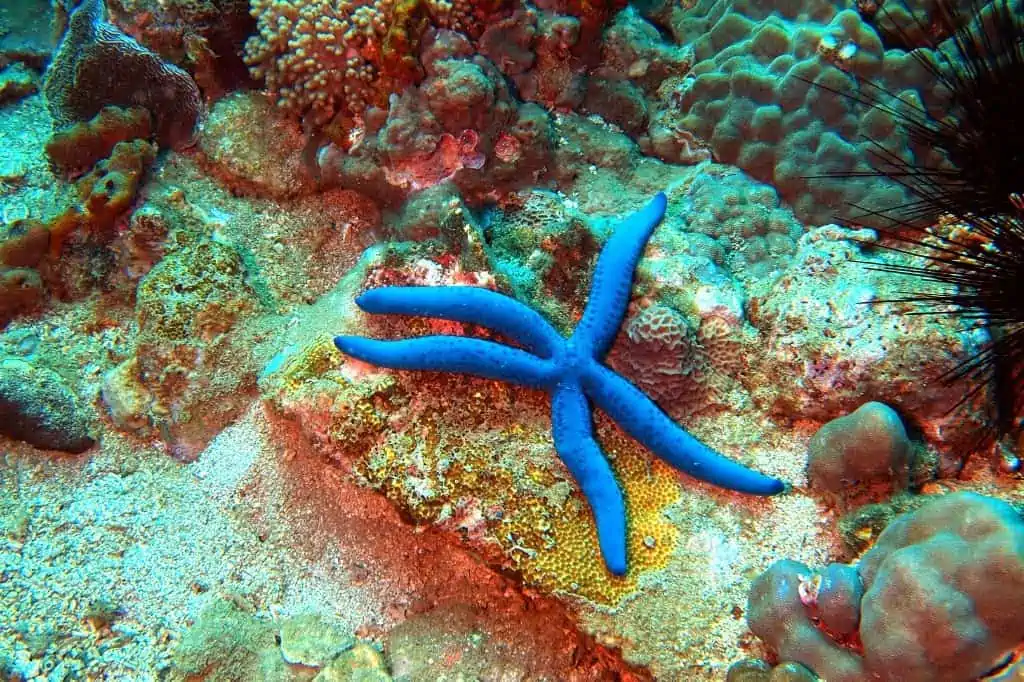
(37, 407)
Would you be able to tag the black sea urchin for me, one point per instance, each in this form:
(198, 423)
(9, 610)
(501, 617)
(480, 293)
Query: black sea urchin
(979, 184)
(982, 68)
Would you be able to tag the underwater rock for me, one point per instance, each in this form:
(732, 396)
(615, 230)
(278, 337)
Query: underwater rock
(21, 289)
(23, 243)
(748, 670)
(227, 642)
(310, 639)
(962, 558)
(253, 149)
(555, 80)
(36, 406)
(826, 352)
(634, 51)
(460, 94)
(26, 36)
(508, 42)
(126, 399)
(542, 247)
(193, 346)
(865, 448)
(617, 101)
(361, 663)
(16, 81)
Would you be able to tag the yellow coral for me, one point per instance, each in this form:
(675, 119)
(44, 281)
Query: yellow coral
(312, 362)
(475, 457)
(572, 563)
(507, 488)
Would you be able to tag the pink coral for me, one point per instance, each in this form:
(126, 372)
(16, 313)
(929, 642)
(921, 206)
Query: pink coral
(660, 353)
(943, 599)
(321, 59)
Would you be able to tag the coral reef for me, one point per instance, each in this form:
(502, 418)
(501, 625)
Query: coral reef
(356, 522)
(517, 510)
(205, 36)
(57, 255)
(686, 371)
(104, 194)
(97, 65)
(571, 371)
(323, 60)
(461, 123)
(755, 670)
(759, 95)
(961, 557)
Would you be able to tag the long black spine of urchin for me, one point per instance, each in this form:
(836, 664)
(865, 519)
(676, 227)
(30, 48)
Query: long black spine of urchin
(982, 138)
(985, 284)
(982, 68)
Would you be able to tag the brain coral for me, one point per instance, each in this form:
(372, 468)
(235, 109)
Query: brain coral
(97, 65)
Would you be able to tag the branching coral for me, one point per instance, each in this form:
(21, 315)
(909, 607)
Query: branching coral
(322, 59)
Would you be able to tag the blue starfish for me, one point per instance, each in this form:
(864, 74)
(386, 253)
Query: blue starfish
(570, 370)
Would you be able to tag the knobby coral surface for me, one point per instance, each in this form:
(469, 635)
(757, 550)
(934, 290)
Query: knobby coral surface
(943, 599)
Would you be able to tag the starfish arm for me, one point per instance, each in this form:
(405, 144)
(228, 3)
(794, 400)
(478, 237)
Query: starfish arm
(452, 354)
(574, 441)
(475, 305)
(613, 278)
(645, 421)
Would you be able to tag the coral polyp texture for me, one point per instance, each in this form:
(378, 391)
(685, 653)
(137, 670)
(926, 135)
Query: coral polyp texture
(570, 370)
(940, 597)
(758, 95)
(322, 58)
